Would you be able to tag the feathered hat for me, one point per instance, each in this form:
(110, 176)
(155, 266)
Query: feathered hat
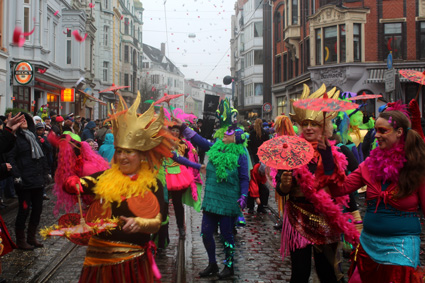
(145, 132)
(300, 115)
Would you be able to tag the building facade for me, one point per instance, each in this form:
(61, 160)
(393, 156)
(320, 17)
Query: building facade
(248, 57)
(345, 44)
(162, 74)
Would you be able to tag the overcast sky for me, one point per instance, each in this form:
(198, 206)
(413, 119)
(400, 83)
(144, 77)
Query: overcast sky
(197, 33)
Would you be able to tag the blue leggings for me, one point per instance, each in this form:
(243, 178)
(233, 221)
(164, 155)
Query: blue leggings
(209, 226)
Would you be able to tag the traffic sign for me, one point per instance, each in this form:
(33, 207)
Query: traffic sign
(389, 80)
(390, 60)
(267, 107)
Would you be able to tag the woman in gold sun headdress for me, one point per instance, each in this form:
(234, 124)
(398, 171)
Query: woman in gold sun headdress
(131, 191)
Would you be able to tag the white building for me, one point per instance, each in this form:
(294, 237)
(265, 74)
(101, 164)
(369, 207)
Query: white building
(247, 61)
(57, 60)
(164, 76)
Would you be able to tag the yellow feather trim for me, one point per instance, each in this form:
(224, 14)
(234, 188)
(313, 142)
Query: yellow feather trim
(114, 186)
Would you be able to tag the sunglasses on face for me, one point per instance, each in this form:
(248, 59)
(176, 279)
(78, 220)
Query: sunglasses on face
(312, 124)
(384, 130)
(229, 132)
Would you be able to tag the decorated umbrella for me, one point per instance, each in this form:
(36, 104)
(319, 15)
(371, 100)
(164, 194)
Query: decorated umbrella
(416, 77)
(365, 96)
(325, 104)
(113, 88)
(74, 227)
(166, 98)
(285, 152)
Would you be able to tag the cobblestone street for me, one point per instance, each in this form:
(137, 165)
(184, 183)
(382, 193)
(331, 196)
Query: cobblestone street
(257, 257)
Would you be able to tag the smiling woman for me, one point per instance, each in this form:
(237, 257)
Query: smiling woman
(394, 176)
(131, 192)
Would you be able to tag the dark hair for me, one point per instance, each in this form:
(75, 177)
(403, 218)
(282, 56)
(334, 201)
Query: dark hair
(412, 174)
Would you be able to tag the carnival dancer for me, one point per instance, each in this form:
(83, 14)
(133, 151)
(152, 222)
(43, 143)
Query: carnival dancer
(225, 195)
(312, 220)
(394, 175)
(179, 179)
(131, 191)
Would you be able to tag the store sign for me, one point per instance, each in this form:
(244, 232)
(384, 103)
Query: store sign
(23, 73)
(68, 95)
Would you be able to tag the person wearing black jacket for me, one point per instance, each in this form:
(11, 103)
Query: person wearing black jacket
(257, 137)
(30, 171)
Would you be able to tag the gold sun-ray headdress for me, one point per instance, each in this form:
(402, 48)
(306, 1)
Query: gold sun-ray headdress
(300, 115)
(145, 132)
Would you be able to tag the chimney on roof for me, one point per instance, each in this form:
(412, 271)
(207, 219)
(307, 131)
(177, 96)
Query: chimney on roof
(163, 48)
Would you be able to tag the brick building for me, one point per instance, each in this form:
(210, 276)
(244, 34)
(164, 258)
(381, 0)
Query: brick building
(345, 43)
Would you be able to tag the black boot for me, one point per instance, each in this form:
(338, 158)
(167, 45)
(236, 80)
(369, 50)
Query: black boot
(20, 240)
(211, 269)
(31, 239)
(226, 272)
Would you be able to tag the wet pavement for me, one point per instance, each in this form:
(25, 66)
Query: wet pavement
(257, 257)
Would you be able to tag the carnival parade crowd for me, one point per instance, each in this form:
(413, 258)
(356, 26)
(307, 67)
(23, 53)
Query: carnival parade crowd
(127, 169)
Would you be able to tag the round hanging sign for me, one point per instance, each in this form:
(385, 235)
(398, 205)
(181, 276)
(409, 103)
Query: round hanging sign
(23, 73)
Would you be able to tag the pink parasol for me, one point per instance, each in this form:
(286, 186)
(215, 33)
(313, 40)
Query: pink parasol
(285, 152)
(414, 76)
(166, 98)
(113, 88)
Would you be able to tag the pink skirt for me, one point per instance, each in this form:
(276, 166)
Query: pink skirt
(181, 181)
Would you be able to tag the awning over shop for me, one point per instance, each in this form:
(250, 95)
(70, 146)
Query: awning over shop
(377, 75)
(49, 83)
(91, 97)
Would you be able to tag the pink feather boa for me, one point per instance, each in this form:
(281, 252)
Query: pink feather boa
(311, 185)
(87, 163)
(385, 165)
(193, 156)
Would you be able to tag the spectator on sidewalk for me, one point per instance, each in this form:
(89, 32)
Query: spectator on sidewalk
(88, 132)
(258, 191)
(47, 150)
(256, 138)
(30, 170)
(107, 150)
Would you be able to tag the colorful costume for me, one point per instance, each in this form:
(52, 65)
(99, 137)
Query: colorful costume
(226, 184)
(390, 238)
(117, 255)
(311, 218)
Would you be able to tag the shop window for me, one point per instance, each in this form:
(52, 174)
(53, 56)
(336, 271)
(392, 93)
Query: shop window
(22, 97)
(393, 40)
(330, 45)
(53, 101)
(422, 40)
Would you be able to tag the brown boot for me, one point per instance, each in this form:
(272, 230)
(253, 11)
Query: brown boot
(31, 239)
(20, 240)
